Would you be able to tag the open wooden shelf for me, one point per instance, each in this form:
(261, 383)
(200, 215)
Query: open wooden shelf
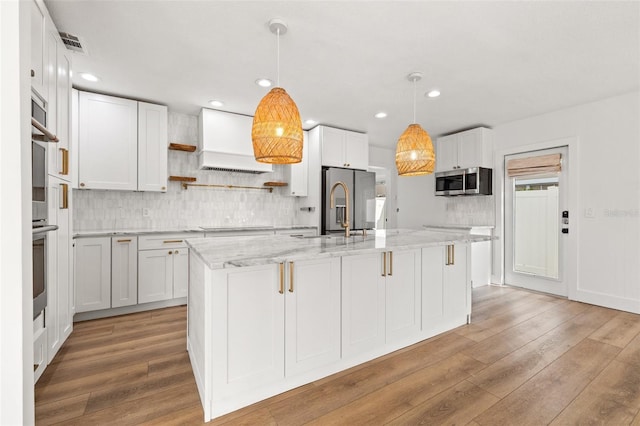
(182, 147)
(276, 184)
(182, 179)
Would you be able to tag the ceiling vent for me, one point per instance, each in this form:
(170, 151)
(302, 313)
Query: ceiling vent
(73, 43)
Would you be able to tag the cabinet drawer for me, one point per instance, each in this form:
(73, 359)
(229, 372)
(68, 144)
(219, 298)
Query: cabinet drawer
(150, 242)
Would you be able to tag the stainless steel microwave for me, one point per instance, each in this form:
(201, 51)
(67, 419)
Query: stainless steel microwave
(472, 181)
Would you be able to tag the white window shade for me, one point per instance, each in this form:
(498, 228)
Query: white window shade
(534, 165)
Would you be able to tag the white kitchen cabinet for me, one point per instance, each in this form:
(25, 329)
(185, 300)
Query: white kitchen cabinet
(38, 49)
(363, 304)
(40, 358)
(446, 287)
(343, 148)
(59, 112)
(155, 279)
(297, 175)
(249, 348)
(312, 312)
(93, 273)
(471, 148)
(152, 147)
(163, 266)
(59, 310)
(107, 142)
(375, 315)
(403, 292)
(122, 144)
(124, 271)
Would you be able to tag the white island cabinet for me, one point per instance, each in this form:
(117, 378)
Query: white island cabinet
(267, 314)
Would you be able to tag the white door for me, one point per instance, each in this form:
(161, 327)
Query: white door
(312, 312)
(535, 242)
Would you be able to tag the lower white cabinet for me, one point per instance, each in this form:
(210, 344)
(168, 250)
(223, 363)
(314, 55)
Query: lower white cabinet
(279, 321)
(312, 313)
(163, 274)
(380, 299)
(446, 289)
(124, 271)
(93, 274)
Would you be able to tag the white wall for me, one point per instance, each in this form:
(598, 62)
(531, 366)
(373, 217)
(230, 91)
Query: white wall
(16, 323)
(604, 163)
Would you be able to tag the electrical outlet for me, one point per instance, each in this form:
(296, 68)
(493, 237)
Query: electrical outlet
(589, 213)
(145, 212)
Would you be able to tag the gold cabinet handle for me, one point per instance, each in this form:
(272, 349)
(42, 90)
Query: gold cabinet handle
(170, 252)
(65, 161)
(124, 241)
(453, 254)
(281, 290)
(390, 263)
(171, 241)
(176, 252)
(384, 263)
(65, 196)
(290, 277)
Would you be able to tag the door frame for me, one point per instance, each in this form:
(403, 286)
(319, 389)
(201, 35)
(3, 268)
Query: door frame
(572, 144)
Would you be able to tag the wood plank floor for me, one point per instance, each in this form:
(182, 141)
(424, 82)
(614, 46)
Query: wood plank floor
(527, 359)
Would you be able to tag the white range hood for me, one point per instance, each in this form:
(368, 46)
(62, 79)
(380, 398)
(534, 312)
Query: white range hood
(225, 143)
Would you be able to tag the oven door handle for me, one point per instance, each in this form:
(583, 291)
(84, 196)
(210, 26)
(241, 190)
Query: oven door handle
(43, 229)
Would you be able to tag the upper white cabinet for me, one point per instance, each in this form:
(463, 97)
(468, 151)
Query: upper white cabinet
(108, 142)
(297, 175)
(39, 53)
(343, 148)
(122, 144)
(59, 111)
(471, 148)
(152, 147)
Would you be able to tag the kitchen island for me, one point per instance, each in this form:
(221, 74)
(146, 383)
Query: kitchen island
(270, 313)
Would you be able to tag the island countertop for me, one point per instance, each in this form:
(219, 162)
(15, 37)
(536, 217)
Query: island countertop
(218, 253)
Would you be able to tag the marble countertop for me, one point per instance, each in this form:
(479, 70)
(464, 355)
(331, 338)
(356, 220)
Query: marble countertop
(200, 229)
(260, 250)
(459, 227)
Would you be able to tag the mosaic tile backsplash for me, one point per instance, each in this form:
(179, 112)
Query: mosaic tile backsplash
(177, 208)
(470, 211)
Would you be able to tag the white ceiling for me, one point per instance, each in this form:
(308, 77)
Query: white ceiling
(343, 61)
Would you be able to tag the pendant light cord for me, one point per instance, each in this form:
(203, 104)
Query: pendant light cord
(414, 101)
(278, 56)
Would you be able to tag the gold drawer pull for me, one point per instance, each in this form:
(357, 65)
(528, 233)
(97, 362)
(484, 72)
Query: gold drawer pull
(171, 241)
(384, 263)
(390, 263)
(65, 196)
(125, 241)
(65, 161)
(281, 289)
(290, 277)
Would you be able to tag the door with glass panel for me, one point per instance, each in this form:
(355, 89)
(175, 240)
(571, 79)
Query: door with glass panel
(537, 220)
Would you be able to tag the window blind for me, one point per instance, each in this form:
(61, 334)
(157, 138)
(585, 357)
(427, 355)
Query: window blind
(534, 165)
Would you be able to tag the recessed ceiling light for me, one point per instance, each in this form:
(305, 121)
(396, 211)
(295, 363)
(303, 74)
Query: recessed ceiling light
(310, 122)
(380, 115)
(433, 94)
(89, 77)
(264, 82)
(216, 103)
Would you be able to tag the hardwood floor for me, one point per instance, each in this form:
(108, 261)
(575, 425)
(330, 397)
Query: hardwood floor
(527, 358)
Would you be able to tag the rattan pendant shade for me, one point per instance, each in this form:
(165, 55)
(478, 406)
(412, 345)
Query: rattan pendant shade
(277, 129)
(414, 152)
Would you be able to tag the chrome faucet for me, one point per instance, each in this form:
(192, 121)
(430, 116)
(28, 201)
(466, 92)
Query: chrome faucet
(332, 204)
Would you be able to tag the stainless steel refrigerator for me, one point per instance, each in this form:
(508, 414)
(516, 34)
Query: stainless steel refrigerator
(362, 197)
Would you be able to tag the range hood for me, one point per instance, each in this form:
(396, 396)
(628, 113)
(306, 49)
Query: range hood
(224, 143)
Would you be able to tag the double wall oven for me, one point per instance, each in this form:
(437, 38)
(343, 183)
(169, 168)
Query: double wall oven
(39, 202)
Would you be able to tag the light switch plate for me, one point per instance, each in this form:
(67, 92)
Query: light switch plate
(589, 213)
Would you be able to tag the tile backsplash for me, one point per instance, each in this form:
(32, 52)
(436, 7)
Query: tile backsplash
(177, 208)
(470, 210)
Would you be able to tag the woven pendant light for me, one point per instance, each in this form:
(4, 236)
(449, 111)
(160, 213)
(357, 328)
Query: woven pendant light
(414, 151)
(277, 128)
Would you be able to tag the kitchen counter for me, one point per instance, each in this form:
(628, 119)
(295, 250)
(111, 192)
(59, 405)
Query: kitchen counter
(262, 250)
(465, 228)
(200, 229)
